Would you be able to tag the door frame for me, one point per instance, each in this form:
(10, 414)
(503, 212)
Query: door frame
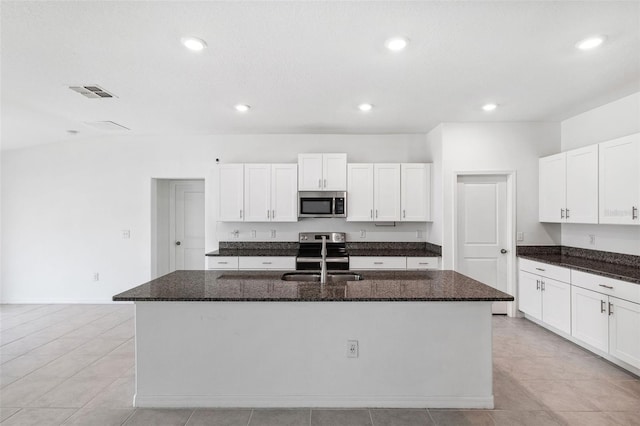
(510, 175)
(173, 184)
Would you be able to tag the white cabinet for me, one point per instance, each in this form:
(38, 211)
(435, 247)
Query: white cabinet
(589, 318)
(624, 330)
(360, 192)
(322, 172)
(545, 299)
(422, 263)
(568, 186)
(257, 263)
(544, 293)
(378, 262)
(223, 262)
(230, 192)
(386, 192)
(620, 180)
(415, 192)
(258, 193)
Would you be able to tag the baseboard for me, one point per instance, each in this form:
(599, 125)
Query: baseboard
(310, 401)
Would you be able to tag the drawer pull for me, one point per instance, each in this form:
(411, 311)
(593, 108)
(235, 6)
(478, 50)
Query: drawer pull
(378, 263)
(540, 269)
(606, 286)
(222, 263)
(423, 263)
(267, 263)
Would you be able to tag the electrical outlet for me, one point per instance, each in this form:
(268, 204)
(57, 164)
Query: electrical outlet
(592, 239)
(273, 233)
(419, 234)
(96, 276)
(126, 234)
(235, 233)
(363, 233)
(520, 236)
(352, 349)
(253, 233)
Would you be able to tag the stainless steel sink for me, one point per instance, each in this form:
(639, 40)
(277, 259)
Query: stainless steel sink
(332, 277)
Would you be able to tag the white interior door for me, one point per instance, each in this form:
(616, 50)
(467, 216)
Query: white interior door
(482, 241)
(187, 221)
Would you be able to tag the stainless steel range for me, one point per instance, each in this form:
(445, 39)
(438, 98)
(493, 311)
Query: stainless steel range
(310, 251)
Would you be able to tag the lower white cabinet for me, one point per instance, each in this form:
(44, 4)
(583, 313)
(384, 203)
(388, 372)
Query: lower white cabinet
(546, 299)
(258, 263)
(422, 263)
(607, 323)
(222, 262)
(378, 262)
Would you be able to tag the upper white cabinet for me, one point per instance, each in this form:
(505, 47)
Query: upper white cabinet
(568, 186)
(415, 192)
(360, 192)
(389, 192)
(270, 193)
(231, 192)
(386, 192)
(322, 172)
(620, 180)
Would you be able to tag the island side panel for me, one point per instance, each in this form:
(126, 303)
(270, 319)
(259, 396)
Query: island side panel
(294, 354)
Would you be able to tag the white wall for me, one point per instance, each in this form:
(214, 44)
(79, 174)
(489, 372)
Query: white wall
(609, 121)
(64, 205)
(434, 150)
(469, 147)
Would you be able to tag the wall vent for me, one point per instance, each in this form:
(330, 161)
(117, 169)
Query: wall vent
(92, 91)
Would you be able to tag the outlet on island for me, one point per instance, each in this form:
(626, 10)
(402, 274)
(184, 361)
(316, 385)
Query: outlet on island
(352, 349)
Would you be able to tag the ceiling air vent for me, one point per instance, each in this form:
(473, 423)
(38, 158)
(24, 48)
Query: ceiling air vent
(106, 125)
(93, 91)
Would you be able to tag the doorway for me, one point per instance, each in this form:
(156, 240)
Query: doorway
(484, 231)
(177, 222)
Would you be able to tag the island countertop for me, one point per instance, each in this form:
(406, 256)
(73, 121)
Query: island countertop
(267, 286)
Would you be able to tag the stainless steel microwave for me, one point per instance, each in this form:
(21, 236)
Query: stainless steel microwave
(322, 204)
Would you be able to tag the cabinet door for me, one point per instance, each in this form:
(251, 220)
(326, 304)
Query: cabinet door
(334, 172)
(552, 188)
(310, 172)
(589, 318)
(556, 304)
(415, 192)
(230, 192)
(360, 192)
(582, 185)
(529, 294)
(284, 193)
(624, 330)
(620, 180)
(386, 192)
(257, 192)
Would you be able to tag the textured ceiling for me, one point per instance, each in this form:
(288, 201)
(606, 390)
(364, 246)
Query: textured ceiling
(304, 66)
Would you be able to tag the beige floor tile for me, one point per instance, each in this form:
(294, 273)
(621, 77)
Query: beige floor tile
(118, 394)
(73, 392)
(585, 418)
(100, 417)
(39, 417)
(632, 386)
(400, 417)
(461, 418)
(98, 346)
(280, 417)
(220, 417)
(108, 366)
(347, 417)
(526, 418)
(7, 412)
(558, 395)
(510, 394)
(67, 365)
(23, 391)
(159, 417)
(605, 396)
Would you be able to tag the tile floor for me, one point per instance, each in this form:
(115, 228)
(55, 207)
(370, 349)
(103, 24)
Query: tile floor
(73, 365)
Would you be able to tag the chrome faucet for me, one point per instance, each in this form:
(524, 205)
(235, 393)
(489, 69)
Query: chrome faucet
(323, 262)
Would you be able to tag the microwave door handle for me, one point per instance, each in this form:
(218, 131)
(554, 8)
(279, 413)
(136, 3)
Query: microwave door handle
(333, 206)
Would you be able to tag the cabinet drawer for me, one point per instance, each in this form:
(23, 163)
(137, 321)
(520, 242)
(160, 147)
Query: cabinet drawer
(265, 262)
(422, 263)
(612, 287)
(223, 262)
(381, 262)
(545, 270)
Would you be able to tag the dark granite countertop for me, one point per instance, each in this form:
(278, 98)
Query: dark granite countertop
(275, 252)
(392, 252)
(377, 286)
(592, 266)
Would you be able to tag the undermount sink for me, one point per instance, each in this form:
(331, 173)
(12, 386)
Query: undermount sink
(332, 277)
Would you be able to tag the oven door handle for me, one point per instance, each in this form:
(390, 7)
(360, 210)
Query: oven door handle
(318, 260)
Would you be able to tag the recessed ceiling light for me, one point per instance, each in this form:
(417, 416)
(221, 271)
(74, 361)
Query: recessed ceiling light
(396, 44)
(194, 43)
(489, 107)
(591, 42)
(242, 107)
(365, 107)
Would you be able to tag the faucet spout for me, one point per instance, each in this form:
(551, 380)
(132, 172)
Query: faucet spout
(323, 263)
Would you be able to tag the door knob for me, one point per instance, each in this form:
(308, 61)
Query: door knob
(503, 251)
(178, 243)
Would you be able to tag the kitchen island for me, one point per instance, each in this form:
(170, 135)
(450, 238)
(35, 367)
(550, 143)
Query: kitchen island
(250, 339)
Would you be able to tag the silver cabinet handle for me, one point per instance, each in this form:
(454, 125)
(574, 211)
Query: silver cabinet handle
(540, 269)
(634, 212)
(376, 213)
(541, 285)
(371, 213)
(610, 308)
(325, 183)
(267, 263)
(378, 263)
(567, 214)
(319, 183)
(404, 213)
(423, 263)
(273, 214)
(268, 214)
(222, 263)
(537, 284)
(603, 308)
(561, 213)
(606, 286)
(240, 213)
